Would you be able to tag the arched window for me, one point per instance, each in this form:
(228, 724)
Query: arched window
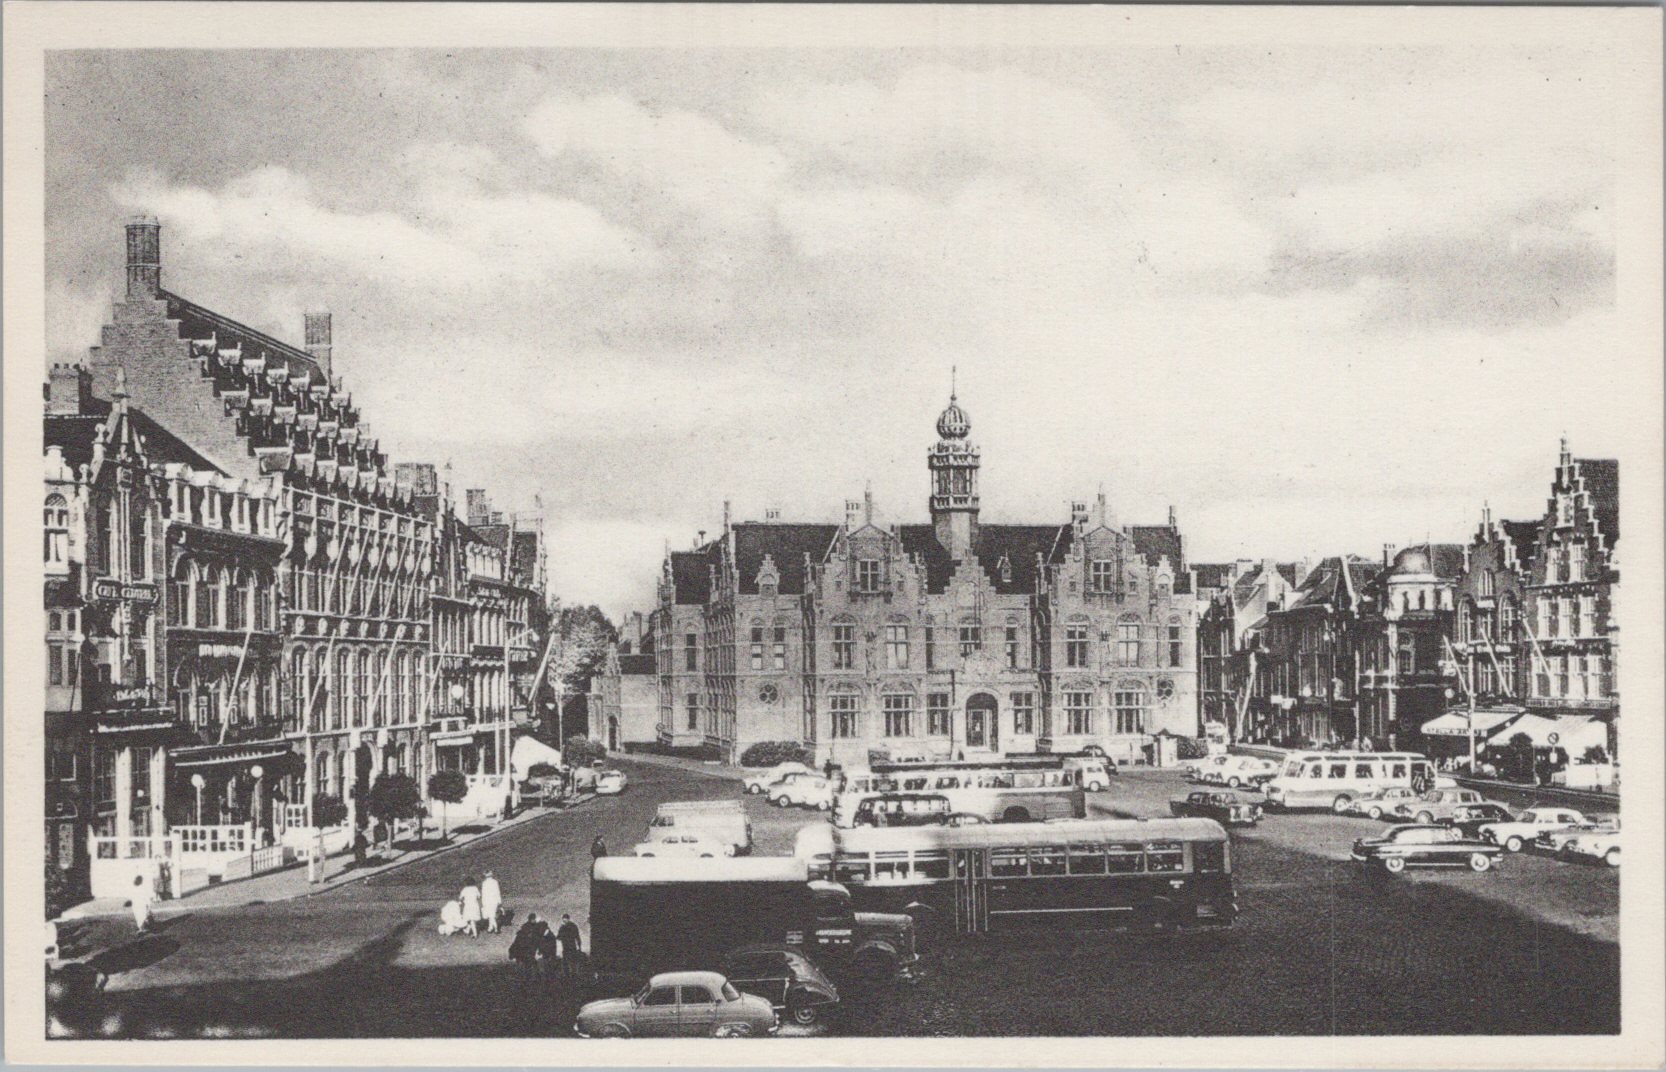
(1128, 640)
(237, 601)
(1466, 622)
(1176, 642)
(300, 685)
(321, 777)
(402, 759)
(1509, 619)
(179, 594)
(265, 591)
(57, 530)
(1129, 704)
(361, 688)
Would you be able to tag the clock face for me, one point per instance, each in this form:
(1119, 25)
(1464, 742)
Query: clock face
(769, 694)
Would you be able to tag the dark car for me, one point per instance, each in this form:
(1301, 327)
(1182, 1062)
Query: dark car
(785, 978)
(1470, 818)
(1426, 845)
(1225, 808)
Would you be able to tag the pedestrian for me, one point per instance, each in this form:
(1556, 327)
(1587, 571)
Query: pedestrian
(141, 904)
(827, 769)
(491, 901)
(470, 898)
(532, 945)
(598, 848)
(567, 935)
(451, 916)
(360, 845)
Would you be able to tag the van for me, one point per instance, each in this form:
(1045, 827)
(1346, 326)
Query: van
(1092, 773)
(1334, 780)
(723, 821)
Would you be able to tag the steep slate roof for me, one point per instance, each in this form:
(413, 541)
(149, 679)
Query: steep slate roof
(690, 576)
(1447, 559)
(1525, 536)
(637, 665)
(1321, 586)
(74, 434)
(297, 359)
(1212, 574)
(1287, 570)
(786, 545)
(1602, 482)
(1019, 544)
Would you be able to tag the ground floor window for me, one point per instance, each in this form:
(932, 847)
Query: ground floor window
(899, 716)
(842, 715)
(693, 705)
(1078, 712)
(937, 714)
(1130, 706)
(1023, 712)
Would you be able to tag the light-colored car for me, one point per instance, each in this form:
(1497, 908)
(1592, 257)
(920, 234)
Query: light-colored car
(1240, 771)
(1554, 841)
(802, 791)
(756, 782)
(1198, 769)
(680, 1004)
(610, 782)
(1529, 825)
(684, 845)
(1381, 802)
(1601, 845)
(1437, 804)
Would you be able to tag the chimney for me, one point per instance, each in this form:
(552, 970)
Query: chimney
(1079, 515)
(1388, 554)
(853, 513)
(144, 258)
(68, 389)
(1173, 521)
(318, 339)
(771, 513)
(725, 515)
(867, 504)
(479, 510)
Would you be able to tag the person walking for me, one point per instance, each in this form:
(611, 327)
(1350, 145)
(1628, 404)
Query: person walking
(491, 901)
(470, 898)
(532, 946)
(141, 902)
(567, 935)
(598, 848)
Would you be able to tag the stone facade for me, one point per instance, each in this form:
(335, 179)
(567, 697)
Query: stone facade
(1404, 627)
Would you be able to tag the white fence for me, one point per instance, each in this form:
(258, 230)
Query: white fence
(185, 859)
(117, 861)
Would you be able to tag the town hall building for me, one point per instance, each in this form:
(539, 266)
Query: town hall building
(946, 639)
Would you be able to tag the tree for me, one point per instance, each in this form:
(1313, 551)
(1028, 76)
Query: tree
(583, 636)
(328, 810)
(579, 751)
(447, 787)
(394, 797)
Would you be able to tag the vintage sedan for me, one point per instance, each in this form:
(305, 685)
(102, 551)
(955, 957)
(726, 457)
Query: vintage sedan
(1224, 808)
(1380, 802)
(1470, 818)
(686, 1003)
(755, 782)
(802, 791)
(1554, 841)
(1425, 845)
(1240, 771)
(1601, 845)
(684, 845)
(1436, 804)
(785, 978)
(610, 782)
(1524, 828)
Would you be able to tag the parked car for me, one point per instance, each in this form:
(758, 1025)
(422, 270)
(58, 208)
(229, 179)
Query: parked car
(965, 818)
(1197, 769)
(1470, 818)
(1381, 802)
(610, 782)
(757, 781)
(1094, 750)
(1553, 841)
(684, 845)
(1238, 771)
(1521, 831)
(1224, 808)
(1092, 773)
(1425, 845)
(785, 978)
(1601, 845)
(802, 791)
(1436, 804)
(685, 1003)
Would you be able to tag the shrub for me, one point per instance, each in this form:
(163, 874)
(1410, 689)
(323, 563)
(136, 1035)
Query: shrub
(58, 895)
(582, 750)
(1596, 753)
(447, 787)
(769, 753)
(328, 810)
(1191, 748)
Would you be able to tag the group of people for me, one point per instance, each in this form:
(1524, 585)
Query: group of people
(543, 953)
(478, 907)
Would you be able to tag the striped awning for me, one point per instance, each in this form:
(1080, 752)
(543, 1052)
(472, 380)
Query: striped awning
(229, 754)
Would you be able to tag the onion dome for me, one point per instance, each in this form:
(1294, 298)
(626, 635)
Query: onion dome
(1412, 560)
(953, 424)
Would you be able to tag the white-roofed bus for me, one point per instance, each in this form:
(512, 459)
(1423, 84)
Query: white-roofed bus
(1083, 874)
(996, 793)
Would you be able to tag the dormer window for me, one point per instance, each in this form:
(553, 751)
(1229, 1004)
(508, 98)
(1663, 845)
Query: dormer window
(1564, 511)
(1006, 570)
(867, 575)
(1102, 575)
(57, 531)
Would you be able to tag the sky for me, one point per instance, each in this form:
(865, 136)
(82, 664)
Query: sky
(1315, 299)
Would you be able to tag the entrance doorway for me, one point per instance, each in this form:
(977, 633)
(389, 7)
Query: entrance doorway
(982, 721)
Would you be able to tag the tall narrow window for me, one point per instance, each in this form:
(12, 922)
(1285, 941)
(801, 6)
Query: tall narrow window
(1587, 626)
(867, 575)
(778, 653)
(1023, 712)
(1176, 648)
(937, 714)
(842, 708)
(899, 715)
(692, 703)
(896, 647)
(931, 647)
(1078, 712)
(844, 646)
(1576, 562)
(971, 639)
(1128, 640)
(1102, 575)
(1076, 644)
(691, 651)
(57, 530)
(757, 647)
(1012, 647)
(1130, 703)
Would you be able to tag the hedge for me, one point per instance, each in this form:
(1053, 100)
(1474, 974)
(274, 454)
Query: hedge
(769, 753)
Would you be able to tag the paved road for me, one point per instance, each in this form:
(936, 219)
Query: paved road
(1323, 947)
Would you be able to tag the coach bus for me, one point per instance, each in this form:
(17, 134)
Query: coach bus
(994, 794)
(1100, 874)
(1335, 780)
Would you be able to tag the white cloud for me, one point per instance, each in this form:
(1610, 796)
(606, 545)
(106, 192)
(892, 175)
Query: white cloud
(74, 315)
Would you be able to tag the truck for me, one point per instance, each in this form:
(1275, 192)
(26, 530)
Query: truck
(653, 914)
(723, 821)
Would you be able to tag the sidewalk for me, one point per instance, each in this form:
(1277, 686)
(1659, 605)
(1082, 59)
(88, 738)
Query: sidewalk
(292, 882)
(710, 768)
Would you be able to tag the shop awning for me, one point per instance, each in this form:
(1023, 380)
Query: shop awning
(1572, 732)
(224, 755)
(1457, 723)
(528, 751)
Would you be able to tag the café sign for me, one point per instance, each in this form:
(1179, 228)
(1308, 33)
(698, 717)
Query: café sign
(108, 589)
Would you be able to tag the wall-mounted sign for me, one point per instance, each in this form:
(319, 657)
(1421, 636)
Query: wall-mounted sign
(218, 651)
(106, 588)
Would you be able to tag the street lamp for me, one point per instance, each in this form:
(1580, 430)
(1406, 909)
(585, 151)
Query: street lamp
(257, 772)
(197, 782)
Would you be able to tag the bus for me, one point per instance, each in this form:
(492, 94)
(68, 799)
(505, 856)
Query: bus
(1335, 780)
(1099, 874)
(992, 793)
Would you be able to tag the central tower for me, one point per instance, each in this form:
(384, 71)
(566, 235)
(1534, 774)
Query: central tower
(954, 482)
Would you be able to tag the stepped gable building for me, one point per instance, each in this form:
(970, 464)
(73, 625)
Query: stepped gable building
(1404, 629)
(1491, 599)
(353, 613)
(956, 637)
